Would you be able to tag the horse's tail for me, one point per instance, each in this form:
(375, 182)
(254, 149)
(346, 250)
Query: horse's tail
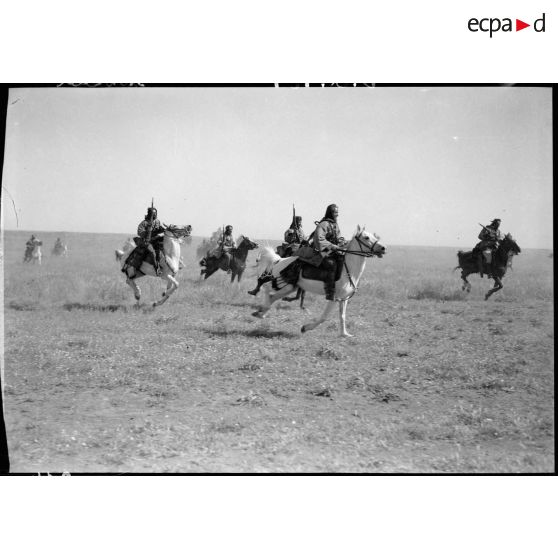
(458, 266)
(267, 259)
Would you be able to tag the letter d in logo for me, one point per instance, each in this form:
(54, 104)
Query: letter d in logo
(538, 26)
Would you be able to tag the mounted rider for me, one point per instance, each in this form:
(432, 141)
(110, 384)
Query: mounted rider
(225, 247)
(294, 238)
(149, 239)
(29, 247)
(327, 240)
(490, 238)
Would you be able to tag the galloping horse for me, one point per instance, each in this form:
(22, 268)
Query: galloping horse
(238, 260)
(35, 255)
(496, 270)
(169, 263)
(362, 245)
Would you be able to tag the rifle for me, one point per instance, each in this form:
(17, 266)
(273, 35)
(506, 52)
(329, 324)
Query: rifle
(293, 224)
(150, 231)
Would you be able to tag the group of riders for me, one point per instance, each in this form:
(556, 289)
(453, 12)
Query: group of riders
(323, 248)
(33, 242)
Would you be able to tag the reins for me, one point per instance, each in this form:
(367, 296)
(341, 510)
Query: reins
(362, 253)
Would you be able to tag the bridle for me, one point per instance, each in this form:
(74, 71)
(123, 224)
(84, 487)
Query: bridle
(178, 232)
(363, 254)
(369, 253)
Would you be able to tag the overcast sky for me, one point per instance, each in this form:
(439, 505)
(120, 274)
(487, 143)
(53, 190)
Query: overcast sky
(419, 166)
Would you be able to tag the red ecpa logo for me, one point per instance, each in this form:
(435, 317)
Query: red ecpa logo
(493, 25)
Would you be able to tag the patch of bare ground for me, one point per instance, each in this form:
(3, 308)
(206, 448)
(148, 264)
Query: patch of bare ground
(436, 383)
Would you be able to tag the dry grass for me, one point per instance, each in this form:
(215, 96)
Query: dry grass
(433, 381)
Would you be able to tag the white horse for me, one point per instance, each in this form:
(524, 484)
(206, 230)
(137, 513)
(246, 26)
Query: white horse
(35, 255)
(170, 263)
(361, 246)
(127, 248)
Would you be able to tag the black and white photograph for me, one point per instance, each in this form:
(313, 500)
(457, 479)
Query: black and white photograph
(278, 278)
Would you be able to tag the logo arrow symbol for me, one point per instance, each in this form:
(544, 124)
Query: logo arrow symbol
(519, 25)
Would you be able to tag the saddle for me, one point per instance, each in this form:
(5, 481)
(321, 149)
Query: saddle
(139, 255)
(290, 273)
(308, 255)
(317, 274)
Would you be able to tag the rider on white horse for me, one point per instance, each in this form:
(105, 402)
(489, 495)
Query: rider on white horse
(29, 246)
(150, 235)
(326, 241)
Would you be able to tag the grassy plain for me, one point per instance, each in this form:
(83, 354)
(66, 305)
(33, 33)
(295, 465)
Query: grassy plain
(434, 381)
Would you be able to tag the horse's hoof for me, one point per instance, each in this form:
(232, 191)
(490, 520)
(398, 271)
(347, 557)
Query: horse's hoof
(303, 329)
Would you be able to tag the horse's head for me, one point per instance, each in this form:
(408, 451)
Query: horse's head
(368, 243)
(178, 232)
(249, 244)
(510, 245)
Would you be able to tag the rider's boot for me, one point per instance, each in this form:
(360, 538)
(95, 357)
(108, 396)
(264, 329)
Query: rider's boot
(330, 287)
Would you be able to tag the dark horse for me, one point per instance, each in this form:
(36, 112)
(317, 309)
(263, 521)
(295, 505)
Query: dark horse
(496, 270)
(211, 264)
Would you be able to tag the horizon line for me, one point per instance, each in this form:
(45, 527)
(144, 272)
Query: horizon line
(2, 229)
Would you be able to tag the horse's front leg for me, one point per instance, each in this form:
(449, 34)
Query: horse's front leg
(315, 323)
(466, 285)
(172, 285)
(497, 286)
(342, 317)
(135, 288)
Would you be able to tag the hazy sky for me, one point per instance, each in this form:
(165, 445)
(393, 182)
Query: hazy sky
(416, 165)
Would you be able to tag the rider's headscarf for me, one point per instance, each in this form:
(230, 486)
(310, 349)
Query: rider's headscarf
(329, 213)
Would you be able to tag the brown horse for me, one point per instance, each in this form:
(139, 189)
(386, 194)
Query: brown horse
(495, 270)
(210, 264)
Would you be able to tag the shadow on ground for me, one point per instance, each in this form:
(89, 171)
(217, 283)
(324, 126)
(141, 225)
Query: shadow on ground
(95, 307)
(268, 334)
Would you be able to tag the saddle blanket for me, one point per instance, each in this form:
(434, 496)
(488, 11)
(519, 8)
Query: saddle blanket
(291, 273)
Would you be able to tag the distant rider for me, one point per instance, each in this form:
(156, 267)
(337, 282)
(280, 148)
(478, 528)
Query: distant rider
(294, 237)
(490, 238)
(226, 245)
(29, 247)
